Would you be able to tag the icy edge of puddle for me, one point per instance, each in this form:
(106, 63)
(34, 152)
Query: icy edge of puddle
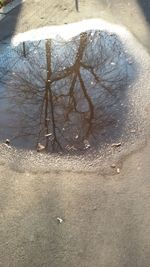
(68, 31)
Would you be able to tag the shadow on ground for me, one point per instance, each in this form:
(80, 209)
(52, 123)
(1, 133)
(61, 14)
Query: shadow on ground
(8, 24)
(145, 7)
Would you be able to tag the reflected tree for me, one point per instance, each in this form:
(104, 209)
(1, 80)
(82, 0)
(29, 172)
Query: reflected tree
(66, 93)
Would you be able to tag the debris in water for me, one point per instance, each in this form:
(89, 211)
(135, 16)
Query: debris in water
(70, 148)
(133, 131)
(49, 134)
(77, 136)
(130, 61)
(87, 144)
(7, 142)
(40, 147)
(116, 145)
(113, 63)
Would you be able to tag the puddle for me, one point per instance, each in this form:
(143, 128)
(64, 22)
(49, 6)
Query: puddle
(65, 96)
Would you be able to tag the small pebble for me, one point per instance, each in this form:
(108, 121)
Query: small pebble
(118, 170)
(113, 165)
(59, 220)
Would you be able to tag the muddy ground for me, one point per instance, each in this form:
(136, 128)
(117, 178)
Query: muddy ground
(105, 215)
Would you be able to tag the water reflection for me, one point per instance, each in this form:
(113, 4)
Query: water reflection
(64, 96)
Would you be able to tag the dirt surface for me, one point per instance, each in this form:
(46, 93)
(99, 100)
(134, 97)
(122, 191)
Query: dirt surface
(33, 14)
(105, 216)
